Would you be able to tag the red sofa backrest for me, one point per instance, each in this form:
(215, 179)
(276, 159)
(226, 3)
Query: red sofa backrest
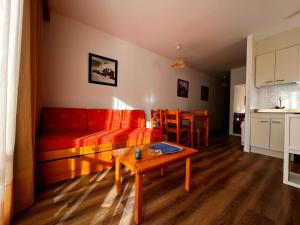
(133, 119)
(106, 119)
(59, 120)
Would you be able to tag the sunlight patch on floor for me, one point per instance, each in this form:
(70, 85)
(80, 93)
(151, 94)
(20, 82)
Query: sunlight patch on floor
(70, 200)
(100, 215)
(77, 203)
(56, 214)
(81, 199)
(67, 189)
(93, 178)
(128, 211)
(103, 174)
(60, 187)
(110, 197)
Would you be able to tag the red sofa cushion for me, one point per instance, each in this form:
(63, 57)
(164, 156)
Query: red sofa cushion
(126, 137)
(60, 141)
(133, 119)
(58, 120)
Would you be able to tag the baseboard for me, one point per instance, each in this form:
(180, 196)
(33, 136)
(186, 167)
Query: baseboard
(267, 152)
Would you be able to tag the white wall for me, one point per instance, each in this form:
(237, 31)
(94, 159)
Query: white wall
(251, 90)
(237, 76)
(145, 79)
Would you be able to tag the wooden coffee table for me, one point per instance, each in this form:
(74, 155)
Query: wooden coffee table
(150, 161)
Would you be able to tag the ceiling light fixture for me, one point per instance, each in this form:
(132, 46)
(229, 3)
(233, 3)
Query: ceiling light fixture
(178, 63)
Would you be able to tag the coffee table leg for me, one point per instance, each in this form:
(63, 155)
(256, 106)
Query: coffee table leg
(162, 171)
(206, 131)
(138, 198)
(192, 133)
(118, 175)
(188, 174)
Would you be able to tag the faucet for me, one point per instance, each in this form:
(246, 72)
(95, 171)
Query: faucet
(280, 106)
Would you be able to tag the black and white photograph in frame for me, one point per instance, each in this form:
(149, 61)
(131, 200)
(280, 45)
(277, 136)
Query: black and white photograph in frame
(103, 70)
(182, 88)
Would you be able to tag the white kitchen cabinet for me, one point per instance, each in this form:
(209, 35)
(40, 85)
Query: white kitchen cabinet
(267, 134)
(260, 132)
(265, 69)
(277, 134)
(286, 68)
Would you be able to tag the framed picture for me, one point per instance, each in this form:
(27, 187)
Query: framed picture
(182, 88)
(103, 70)
(204, 93)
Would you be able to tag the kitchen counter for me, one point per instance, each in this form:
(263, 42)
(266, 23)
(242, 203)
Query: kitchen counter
(275, 110)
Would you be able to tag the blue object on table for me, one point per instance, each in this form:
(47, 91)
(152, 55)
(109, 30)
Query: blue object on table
(138, 154)
(166, 148)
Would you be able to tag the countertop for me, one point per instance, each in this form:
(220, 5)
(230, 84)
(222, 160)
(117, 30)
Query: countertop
(275, 110)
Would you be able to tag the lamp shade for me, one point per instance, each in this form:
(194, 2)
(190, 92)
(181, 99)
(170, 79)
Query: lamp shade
(178, 64)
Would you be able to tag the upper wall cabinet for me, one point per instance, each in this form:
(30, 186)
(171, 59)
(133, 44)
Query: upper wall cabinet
(265, 66)
(286, 69)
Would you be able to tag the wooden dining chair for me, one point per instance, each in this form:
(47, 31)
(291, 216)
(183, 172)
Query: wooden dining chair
(173, 126)
(158, 122)
(157, 118)
(201, 130)
(163, 114)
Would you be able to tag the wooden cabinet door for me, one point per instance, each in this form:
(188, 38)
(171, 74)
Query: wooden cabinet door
(265, 67)
(286, 69)
(260, 132)
(277, 135)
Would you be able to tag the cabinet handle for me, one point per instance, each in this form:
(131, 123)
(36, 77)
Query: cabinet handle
(269, 81)
(264, 121)
(275, 122)
(280, 80)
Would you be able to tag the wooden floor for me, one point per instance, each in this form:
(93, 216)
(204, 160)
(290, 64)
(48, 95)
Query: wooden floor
(228, 187)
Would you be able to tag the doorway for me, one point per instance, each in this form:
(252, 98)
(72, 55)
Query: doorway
(238, 108)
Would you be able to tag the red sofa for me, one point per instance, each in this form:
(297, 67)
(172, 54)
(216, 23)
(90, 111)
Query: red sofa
(73, 142)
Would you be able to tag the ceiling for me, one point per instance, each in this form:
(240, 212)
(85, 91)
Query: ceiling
(212, 32)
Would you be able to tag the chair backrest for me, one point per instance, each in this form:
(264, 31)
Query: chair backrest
(200, 113)
(198, 117)
(172, 119)
(163, 113)
(156, 118)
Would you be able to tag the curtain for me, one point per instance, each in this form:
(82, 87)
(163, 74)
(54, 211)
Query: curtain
(28, 105)
(20, 67)
(10, 47)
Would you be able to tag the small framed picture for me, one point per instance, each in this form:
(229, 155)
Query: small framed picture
(204, 93)
(103, 70)
(182, 88)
